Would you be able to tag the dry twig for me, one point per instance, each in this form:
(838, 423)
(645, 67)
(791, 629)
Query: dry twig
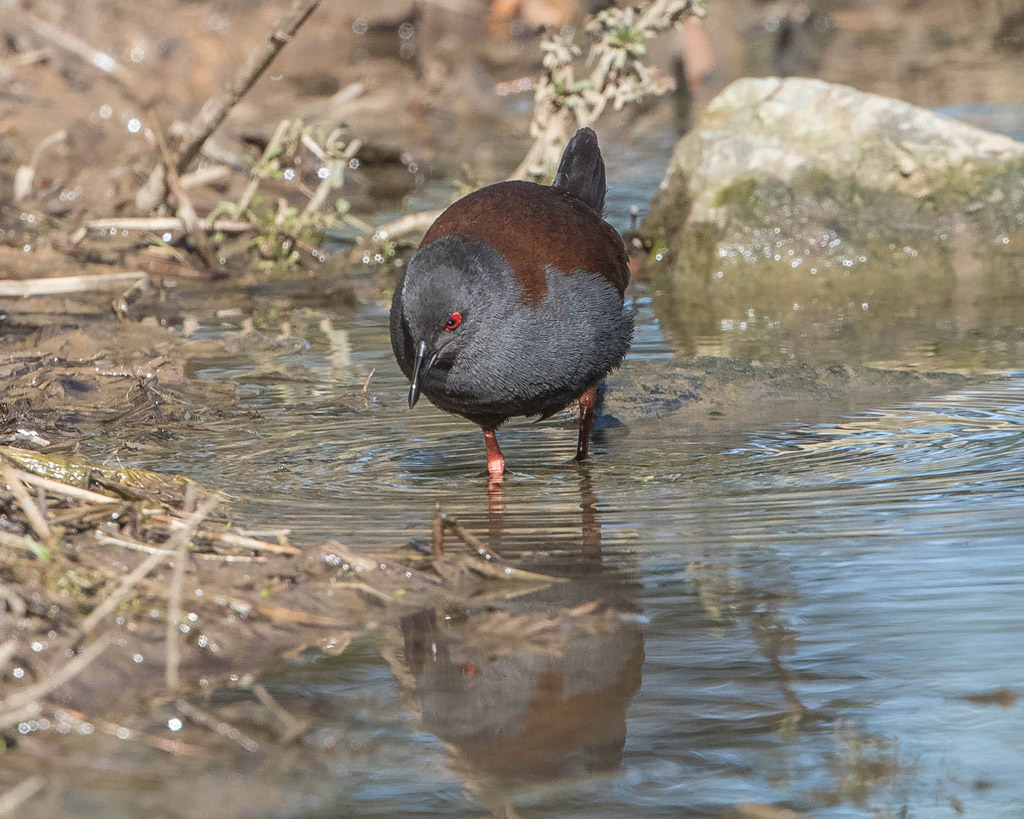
(28, 506)
(65, 489)
(229, 538)
(213, 112)
(81, 49)
(162, 224)
(58, 285)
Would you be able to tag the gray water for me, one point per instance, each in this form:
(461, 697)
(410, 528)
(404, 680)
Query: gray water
(817, 614)
(805, 609)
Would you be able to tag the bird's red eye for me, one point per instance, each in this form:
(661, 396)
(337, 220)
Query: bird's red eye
(454, 320)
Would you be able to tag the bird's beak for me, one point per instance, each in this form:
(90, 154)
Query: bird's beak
(418, 372)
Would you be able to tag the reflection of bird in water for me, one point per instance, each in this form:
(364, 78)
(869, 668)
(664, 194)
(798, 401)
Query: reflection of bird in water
(533, 688)
(530, 696)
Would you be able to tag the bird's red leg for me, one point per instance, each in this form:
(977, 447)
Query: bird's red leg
(587, 402)
(495, 460)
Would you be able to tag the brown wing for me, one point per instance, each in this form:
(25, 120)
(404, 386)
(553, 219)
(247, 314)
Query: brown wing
(536, 227)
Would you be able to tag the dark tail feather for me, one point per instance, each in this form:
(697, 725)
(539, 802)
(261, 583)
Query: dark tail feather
(581, 171)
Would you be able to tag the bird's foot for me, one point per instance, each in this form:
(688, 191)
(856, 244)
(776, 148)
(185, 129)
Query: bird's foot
(495, 460)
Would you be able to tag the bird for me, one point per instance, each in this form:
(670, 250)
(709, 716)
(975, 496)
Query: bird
(514, 302)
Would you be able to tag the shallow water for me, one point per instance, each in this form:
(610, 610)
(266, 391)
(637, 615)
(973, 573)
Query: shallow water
(809, 611)
(802, 611)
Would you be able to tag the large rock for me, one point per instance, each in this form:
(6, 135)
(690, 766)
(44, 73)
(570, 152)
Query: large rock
(817, 207)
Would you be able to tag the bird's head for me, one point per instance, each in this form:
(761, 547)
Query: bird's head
(454, 296)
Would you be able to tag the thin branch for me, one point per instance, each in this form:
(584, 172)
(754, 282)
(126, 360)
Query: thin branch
(214, 111)
(189, 218)
(254, 180)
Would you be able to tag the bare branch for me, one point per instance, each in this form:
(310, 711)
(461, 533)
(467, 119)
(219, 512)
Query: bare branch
(214, 111)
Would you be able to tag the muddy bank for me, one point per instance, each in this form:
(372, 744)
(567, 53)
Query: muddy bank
(118, 580)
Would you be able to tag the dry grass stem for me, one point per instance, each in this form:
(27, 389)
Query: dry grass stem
(7, 649)
(27, 504)
(58, 285)
(164, 224)
(229, 538)
(16, 715)
(36, 55)
(65, 489)
(24, 543)
(179, 544)
(25, 176)
(123, 591)
(135, 546)
(12, 800)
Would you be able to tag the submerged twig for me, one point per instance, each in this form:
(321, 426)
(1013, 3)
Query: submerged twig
(292, 728)
(217, 725)
(56, 679)
(492, 566)
(437, 531)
